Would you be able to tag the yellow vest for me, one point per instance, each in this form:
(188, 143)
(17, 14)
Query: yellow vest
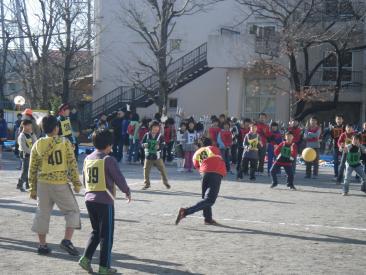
(66, 127)
(29, 142)
(94, 176)
(57, 160)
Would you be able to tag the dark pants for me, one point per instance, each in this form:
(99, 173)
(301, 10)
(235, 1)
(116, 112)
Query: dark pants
(24, 176)
(342, 167)
(210, 190)
(234, 153)
(253, 167)
(76, 150)
(276, 168)
(336, 161)
(262, 155)
(314, 164)
(225, 153)
(239, 160)
(102, 221)
(118, 148)
(167, 152)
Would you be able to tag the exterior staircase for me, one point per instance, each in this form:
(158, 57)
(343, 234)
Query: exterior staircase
(182, 71)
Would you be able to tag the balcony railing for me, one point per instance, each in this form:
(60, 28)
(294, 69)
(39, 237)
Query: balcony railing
(328, 77)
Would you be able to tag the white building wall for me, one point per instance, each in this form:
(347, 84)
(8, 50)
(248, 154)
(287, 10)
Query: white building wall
(118, 48)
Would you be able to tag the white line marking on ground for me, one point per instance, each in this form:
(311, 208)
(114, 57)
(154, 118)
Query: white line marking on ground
(281, 223)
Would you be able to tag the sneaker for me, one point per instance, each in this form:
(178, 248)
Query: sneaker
(212, 222)
(292, 187)
(252, 179)
(86, 264)
(167, 185)
(106, 270)
(181, 215)
(273, 185)
(147, 186)
(69, 247)
(43, 250)
(345, 194)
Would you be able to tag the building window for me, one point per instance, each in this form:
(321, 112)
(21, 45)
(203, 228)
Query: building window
(260, 98)
(267, 40)
(330, 67)
(173, 103)
(175, 44)
(335, 8)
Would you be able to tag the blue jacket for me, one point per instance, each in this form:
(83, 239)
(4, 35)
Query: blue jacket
(125, 124)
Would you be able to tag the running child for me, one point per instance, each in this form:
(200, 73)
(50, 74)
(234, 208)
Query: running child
(52, 164)
(208, 161)
(153, 143)
(285, 152)
(263, 132)
(295, 129)
(353, 153)
(243, 131)
(26, 139)
(101, 175)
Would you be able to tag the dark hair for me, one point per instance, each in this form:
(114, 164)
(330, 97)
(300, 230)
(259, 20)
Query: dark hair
(215, 120)
(49, 123)
(349, 125)
(170, 121)
(26, 122)
(339, 115)
(102, 138)
(19, 115)
(206, 141)
(222, 115)
(145, 122)
(135, 117)
(200, 127)
(153, 124)
(248, 120)
(157, 117)
(289, 133)
(252, 124)
(274, 123)
(183, 123)
(263, 114)
(226, 123)
(314, 118)
(357, 136)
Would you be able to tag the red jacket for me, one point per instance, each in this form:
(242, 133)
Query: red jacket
(296, 131)
(169, 134)
(209, 160)
(226, 138)
(263, 132)
(285, 161)
(345, 139)
(213, 132)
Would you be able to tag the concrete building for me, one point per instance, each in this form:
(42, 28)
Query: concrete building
(229, 86)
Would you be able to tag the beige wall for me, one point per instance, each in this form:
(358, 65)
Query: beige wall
(203, 96)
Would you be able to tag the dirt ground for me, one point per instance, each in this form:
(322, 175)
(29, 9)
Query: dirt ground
(313, 230)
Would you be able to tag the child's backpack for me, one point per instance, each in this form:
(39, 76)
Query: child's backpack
(131, 129)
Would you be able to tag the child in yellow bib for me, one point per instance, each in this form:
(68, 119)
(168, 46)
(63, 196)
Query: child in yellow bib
(101, 175)
(52, 165)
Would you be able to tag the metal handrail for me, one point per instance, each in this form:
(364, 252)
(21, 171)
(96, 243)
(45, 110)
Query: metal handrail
(125, 94)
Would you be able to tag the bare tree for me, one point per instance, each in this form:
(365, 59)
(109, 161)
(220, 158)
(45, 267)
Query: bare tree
(74, 36)
(155, 28)
(307, 26)
(35, 67)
